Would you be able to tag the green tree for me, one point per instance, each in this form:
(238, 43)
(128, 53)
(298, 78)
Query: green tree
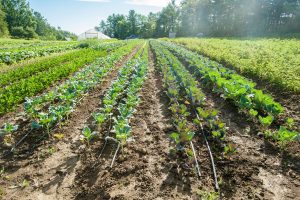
(132, 22)
(3, 24)
(43, 28)
(167, 20)
(148, 26)
(20, 19)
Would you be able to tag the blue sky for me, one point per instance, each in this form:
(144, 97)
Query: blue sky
(80, 15)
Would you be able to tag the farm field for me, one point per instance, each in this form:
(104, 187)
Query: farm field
(149, 119)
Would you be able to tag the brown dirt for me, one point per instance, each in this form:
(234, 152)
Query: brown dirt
(51, 169)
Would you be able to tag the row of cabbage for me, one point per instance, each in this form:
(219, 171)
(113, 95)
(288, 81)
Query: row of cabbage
(6, 43)
(121, 100)
(34, 46)
(53, 107)
(10, 57)
(260, 107)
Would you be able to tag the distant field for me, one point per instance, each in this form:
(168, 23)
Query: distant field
(274, 60)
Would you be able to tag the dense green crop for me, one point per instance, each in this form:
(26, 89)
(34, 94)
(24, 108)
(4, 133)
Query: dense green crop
(273, 60)
(31, 69)
(127, 86)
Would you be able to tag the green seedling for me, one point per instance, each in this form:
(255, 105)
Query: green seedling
(253, 113)
(283, 136)
(208, 195)
(100, 118)
(229, 150)
(290, 123)
(25, 183)
(122, 130)
(266, 121)
(88, 135)
(8, 129)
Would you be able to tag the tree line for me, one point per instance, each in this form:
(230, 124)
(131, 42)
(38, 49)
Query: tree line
(216, 18)
(18, 20)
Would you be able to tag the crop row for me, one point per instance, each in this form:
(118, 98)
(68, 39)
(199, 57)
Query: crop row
(108, 45)
(122, 97)
(187, 101)
(20, 43)
(34, 46)
(275, 61)
(53, 107)
(239, 90)
(33, 68)
(11, 56)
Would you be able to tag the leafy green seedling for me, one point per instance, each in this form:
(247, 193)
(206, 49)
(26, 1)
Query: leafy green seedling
(253, 113)
(122, 130)
(229, 150)
(88, 135)
(266, 121)
(283, 135)
(100, 118)
(8, 129)
(290, 123)
(25, 183)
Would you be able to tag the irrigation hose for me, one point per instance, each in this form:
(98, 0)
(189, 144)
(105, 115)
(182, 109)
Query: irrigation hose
(211, 156)
(114, 158)
(196, 160)
(212, 160)
(21, 140)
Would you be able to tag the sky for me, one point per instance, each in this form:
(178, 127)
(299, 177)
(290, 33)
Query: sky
(78, 16)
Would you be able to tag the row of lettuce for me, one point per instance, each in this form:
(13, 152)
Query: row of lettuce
(9, 57)
(33, 50)
(272, 60)
(50, 109)
(241, 92)
(19, 44)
